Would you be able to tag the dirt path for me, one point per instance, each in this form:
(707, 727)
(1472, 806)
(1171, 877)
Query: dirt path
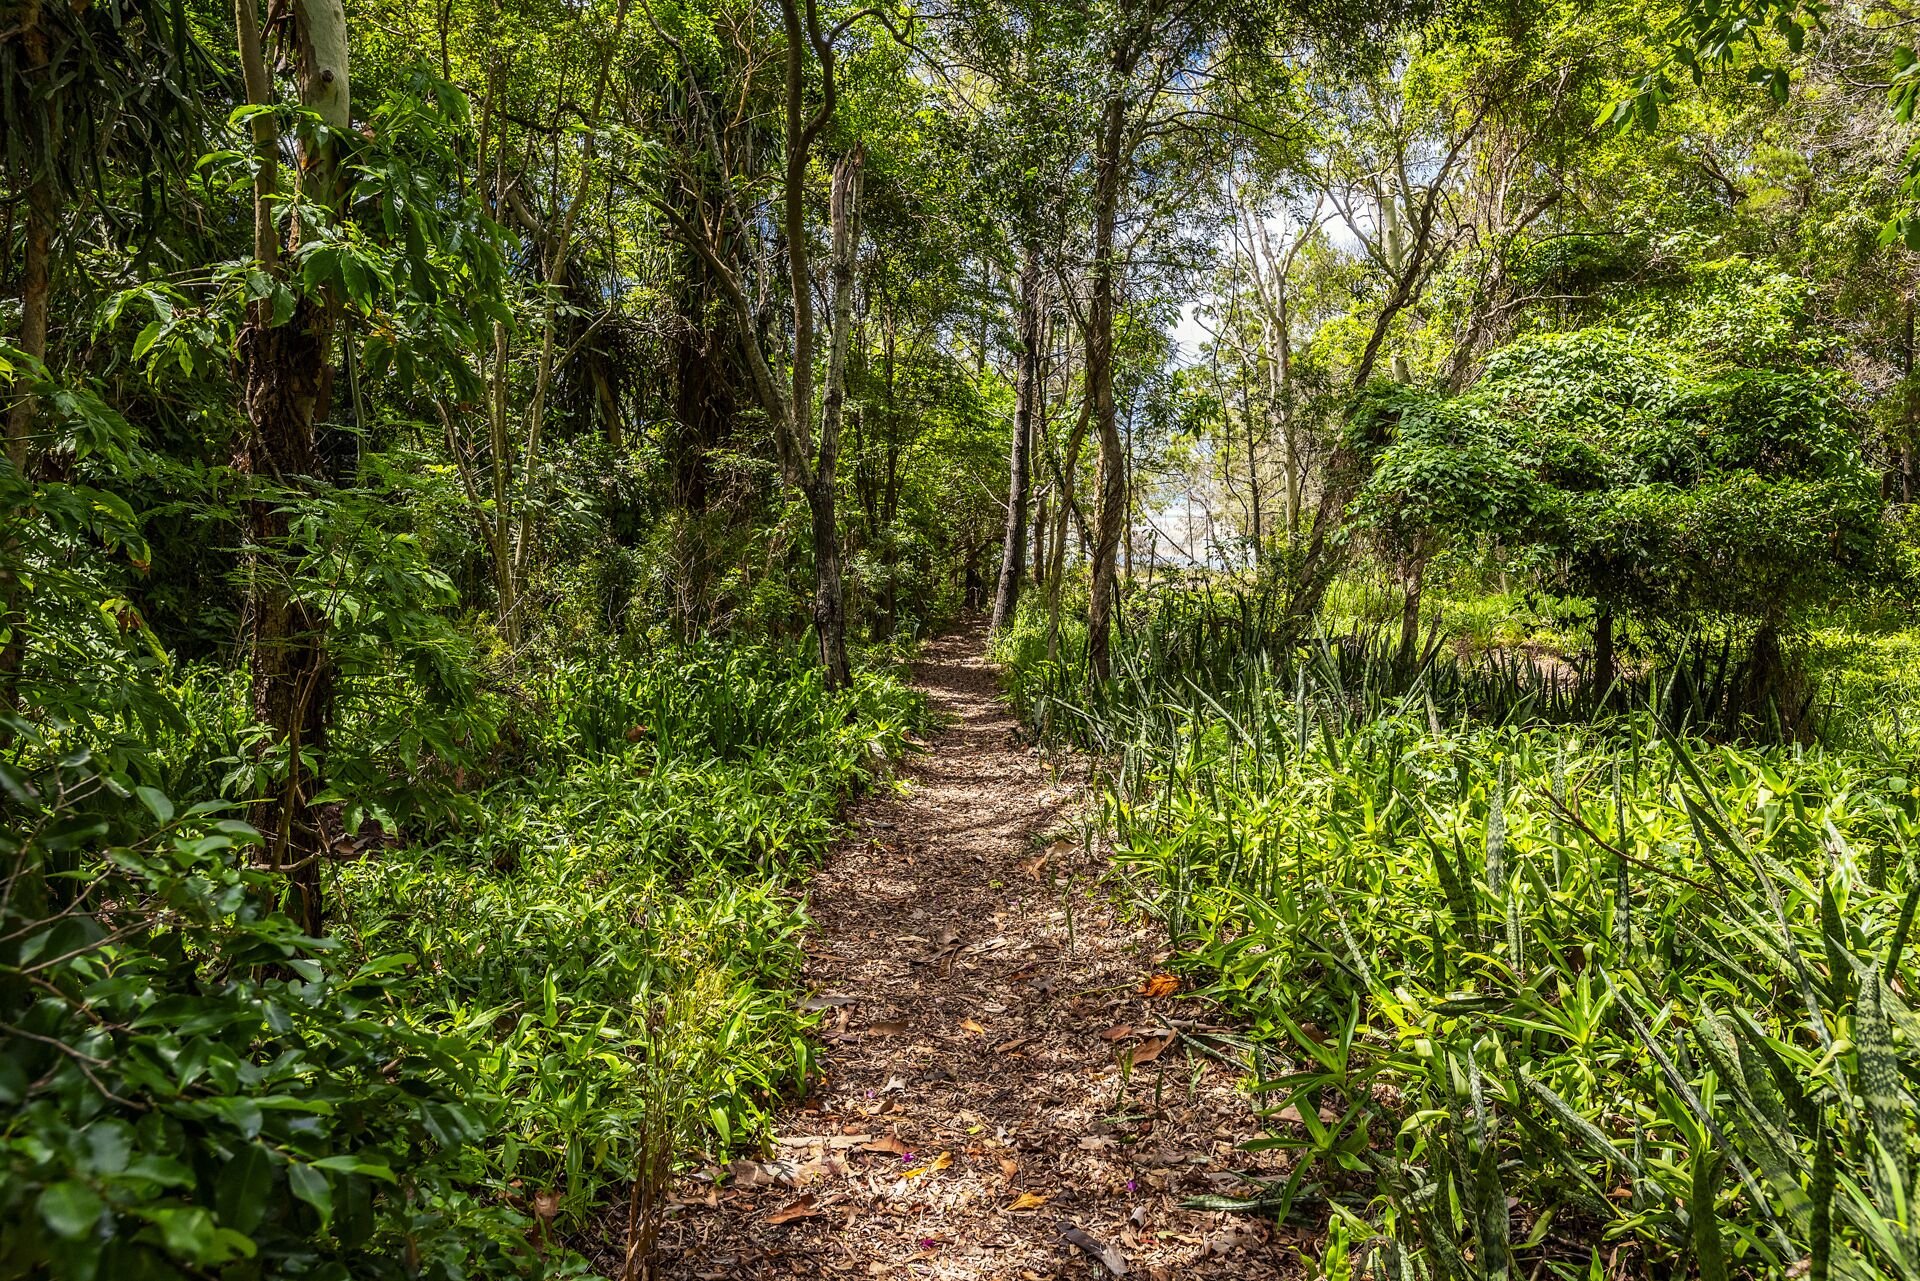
(973, 1120)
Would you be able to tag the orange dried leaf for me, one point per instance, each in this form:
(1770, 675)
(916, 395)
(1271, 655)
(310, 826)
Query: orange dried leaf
(1027, 1201)
(1160, 985)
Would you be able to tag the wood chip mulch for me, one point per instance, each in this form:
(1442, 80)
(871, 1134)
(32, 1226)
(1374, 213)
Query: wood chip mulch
(978, 993)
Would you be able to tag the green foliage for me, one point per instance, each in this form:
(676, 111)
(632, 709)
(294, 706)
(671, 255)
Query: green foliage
(193, 1085)
(1656, 477)
(1649, 989)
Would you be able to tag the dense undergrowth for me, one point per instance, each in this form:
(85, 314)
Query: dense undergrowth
(524, 1009)
(1538, 988)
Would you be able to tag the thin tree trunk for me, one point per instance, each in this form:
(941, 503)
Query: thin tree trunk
(1019, 483)
(1111, 520)
(829, 600)
(1042, 518)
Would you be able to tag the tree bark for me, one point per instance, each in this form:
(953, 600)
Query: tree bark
(1602, 652)
(35, 288)
(1019, 479)
(1410, 610)
(1111, 520)
(286, 376)
(829, 599)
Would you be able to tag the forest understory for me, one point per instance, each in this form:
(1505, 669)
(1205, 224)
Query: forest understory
(1425, 785)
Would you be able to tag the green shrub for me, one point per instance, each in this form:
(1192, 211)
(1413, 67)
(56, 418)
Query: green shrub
(591, 974)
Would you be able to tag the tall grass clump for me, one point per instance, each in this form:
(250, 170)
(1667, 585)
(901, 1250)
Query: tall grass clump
(1532, 993)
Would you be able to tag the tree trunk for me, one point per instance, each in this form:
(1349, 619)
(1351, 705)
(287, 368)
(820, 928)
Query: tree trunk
(1764, 700)
(286, 376)
(1410, 610)
(34, 290)
(829, 598)
(35, 287)
(1602, 652)
(1019, 483)
(1042, 516)
(1111, 520)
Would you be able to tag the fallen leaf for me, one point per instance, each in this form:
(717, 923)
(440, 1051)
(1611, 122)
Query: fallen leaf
(940, 1162)
(888, 1027)
(1107, 1255)
(1160, 985)
(885, 1143)
(802, 1208)
(973, 1027)
(1009, 1167)
(827, 1001)
(823, 1140)
(1119, 1031)
(1291, 1113)
(752, 1174)
(1032, 866)
(1014, 1046)
(1027, 1201)
(1148, 1051)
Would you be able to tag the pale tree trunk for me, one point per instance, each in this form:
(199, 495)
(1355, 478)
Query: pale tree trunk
(1019, 483)
(500, 527)
(1412, 266)
(1111, 519)
(286, 380)
(1042, 523)
(829, 597)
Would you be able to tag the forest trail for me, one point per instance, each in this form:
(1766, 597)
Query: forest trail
(973, 1120)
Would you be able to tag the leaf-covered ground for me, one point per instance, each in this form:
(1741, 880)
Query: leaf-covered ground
(980, 999)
